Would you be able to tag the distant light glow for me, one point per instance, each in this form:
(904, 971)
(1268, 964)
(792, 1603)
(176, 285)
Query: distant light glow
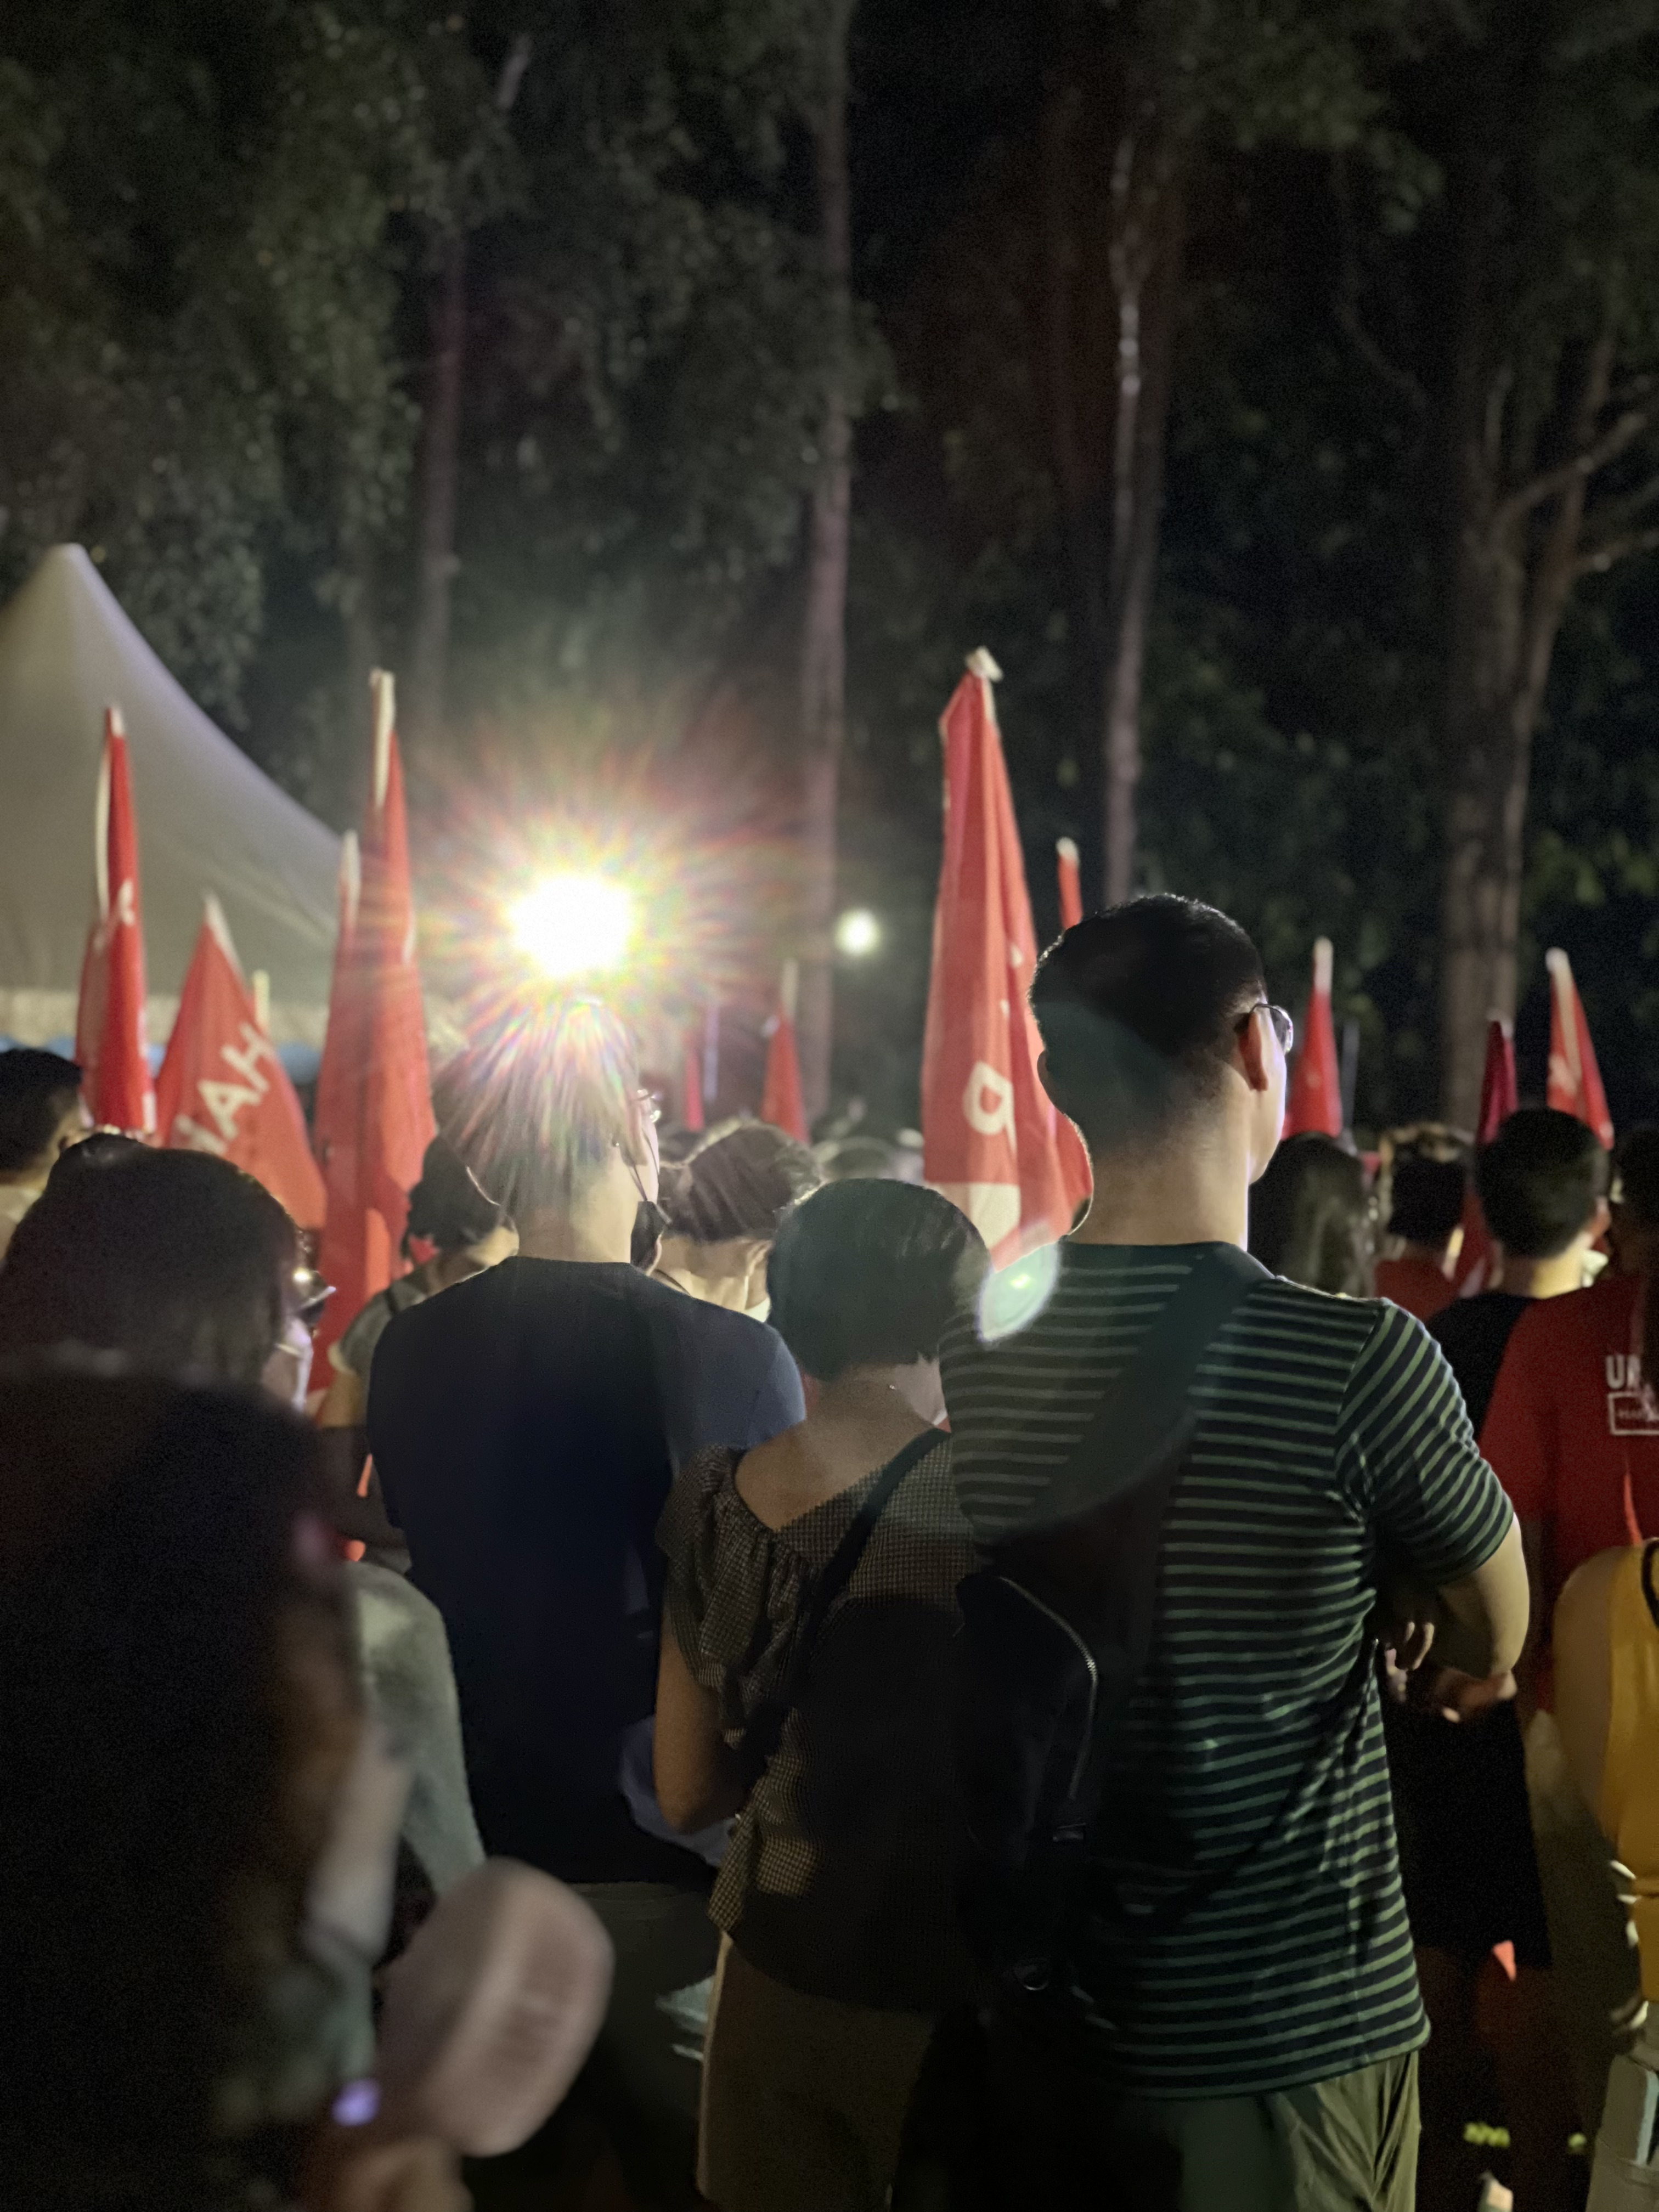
(573, 925)
(858, 933)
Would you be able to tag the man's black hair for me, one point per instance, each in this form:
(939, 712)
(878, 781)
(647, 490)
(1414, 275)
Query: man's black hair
(35, 1091)
(1426, 1199)
(1541, 1181)
(868, 1274)
(1138, 1008)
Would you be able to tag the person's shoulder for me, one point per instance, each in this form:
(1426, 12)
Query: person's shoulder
(736, 1334)
(1600, 1313)
(1330, 1317)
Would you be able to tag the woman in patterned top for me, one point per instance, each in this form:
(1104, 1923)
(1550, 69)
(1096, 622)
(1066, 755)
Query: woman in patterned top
(837, 1899)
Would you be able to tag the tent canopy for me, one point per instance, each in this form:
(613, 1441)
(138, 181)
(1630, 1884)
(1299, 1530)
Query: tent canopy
(208, 820)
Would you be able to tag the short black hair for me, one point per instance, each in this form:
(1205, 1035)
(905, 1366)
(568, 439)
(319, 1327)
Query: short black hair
(870, 1273)
(1541, 1179)
(178, 1261)
(1639, 1177)
(1310, 1217)
(1138, 1007)
(446, 1207)
(1426, 1198)
(35, 1089)
(740, 1182)
(538, 1097)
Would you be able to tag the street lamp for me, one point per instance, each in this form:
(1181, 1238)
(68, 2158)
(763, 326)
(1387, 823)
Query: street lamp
(858, 933)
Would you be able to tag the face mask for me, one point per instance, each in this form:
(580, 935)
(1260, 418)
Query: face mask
(287, 1372)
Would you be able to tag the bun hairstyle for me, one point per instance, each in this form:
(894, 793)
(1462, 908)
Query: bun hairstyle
(446, 1207)
(740, 1182)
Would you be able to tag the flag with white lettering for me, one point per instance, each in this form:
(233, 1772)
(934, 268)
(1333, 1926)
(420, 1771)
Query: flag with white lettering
(221, 1088)
(991, 1138)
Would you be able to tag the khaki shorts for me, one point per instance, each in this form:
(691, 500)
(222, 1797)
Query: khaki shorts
(803, 2097)
(1011, 2116)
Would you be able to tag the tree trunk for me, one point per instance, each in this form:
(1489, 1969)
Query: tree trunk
(824, 644)
(1514, 558)
(1147, 258)
(441, 431)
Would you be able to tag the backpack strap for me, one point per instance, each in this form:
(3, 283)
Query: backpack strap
(1144, 1417)
(765, 1730)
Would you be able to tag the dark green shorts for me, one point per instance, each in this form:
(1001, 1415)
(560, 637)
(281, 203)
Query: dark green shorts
(1005, 2119)
(1347, 2145)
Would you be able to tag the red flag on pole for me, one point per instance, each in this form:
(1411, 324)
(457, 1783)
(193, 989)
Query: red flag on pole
(1575, 1081)
(374, 1117)
(782, 1104)
(109, 1029)
(1498, 1100)
(221, 1088)
(991, 1138)
(1070, 884)
(1314, 1103)
(692, 1112)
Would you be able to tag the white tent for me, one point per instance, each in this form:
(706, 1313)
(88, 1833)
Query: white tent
(208, 820)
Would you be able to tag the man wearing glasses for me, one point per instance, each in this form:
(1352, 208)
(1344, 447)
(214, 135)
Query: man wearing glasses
(1229, 2013)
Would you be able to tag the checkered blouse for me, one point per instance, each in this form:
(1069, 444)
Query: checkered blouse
(841, 1876)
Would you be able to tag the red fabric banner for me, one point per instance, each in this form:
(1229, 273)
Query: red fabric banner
(374, 1119)
(781, 1102)
(221, 1088)
(692, 1112)
(110, 1036)
(991, 1138)
(1314, 1103)
(1575, 1081)
(1498, 1099)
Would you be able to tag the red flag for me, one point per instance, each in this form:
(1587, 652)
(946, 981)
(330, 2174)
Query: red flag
(1070, 884)
(1316, 1100)
(1575, 1081)
(1498, 1100)
(109, 1029)
(991, 1137)
(692, 1112)
(374, 1115)
(782, 1104)
(221, 1088)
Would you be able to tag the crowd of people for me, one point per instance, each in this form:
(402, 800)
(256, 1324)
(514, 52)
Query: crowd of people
(712, 1698)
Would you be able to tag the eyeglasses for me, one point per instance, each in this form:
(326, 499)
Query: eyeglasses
(1283, 1027)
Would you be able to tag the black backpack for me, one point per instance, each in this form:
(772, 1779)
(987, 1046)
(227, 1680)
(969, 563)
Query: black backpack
(1056, 1627)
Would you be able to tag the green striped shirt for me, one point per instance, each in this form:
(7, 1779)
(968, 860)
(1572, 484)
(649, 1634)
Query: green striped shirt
(1330, 1433)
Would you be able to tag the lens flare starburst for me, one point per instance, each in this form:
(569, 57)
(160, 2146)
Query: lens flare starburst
(571, 926)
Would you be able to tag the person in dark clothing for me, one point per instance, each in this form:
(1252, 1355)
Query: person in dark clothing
(526, 1427)
(1427, 1206)
(1311, 1217)
(1454, 1752)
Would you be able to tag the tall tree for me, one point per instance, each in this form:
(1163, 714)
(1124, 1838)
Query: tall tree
(1539, 383)
(441, 420)
(823, 641)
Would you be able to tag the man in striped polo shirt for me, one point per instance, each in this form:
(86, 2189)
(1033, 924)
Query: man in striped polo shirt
(1244, 2019)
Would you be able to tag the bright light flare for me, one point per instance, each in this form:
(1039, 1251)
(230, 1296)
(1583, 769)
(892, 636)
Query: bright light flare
(573, 925)
(858, 933)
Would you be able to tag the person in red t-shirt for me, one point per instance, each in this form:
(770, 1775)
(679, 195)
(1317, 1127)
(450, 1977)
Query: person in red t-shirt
(1426, 1209)
(1572, 1432)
